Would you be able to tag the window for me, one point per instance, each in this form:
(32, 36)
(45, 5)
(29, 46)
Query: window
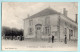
(38, 28)
(65, 32)
(71, 32)
(65, 23)
(46, 30)
(30, 31)
(70, 25)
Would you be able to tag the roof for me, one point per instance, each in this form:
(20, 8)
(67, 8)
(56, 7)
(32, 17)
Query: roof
(47, 11)
(69, 20)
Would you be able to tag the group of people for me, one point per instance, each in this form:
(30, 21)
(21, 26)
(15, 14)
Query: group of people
(51, 39)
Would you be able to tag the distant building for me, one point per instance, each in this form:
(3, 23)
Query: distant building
(49, 22)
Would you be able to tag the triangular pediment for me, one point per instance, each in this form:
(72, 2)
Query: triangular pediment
(47, 11)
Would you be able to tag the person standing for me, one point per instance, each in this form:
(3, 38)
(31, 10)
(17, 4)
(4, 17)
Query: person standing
(52, 38)
(65, 39)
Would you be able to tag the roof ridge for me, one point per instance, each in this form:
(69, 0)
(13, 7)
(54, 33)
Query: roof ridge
(44, 10)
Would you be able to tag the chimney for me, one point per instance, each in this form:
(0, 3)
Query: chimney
(76, 18)
(64, 12)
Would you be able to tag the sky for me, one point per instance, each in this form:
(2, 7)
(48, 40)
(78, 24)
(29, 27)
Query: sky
(13, 13)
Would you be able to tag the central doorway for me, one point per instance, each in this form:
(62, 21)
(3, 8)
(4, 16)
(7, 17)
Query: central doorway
(38, 30)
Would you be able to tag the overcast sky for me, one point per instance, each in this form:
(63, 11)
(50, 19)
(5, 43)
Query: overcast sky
(13, 13)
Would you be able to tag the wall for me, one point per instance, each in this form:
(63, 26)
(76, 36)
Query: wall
(64, 23)
(41, 20)
(26, 25)
(54, 25)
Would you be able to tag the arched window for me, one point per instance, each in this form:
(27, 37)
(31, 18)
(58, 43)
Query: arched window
(47, 25)
(47, 30)
(30, 31)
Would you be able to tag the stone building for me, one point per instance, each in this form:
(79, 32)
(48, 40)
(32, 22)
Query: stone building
(48, 22)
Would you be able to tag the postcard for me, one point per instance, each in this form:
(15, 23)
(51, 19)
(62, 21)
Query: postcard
(39, 26)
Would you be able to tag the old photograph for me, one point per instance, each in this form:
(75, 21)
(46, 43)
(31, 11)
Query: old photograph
(39, 26)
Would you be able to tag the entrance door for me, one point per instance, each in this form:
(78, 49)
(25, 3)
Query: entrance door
(38, 31)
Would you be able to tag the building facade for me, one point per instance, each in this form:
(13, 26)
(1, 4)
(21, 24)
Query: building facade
(48, 23)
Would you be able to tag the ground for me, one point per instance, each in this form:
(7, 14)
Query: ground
(39, 45)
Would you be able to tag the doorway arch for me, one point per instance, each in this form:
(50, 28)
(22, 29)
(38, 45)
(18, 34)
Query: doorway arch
(38, 28)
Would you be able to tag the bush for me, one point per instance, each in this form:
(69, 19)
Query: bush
(6, 31)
